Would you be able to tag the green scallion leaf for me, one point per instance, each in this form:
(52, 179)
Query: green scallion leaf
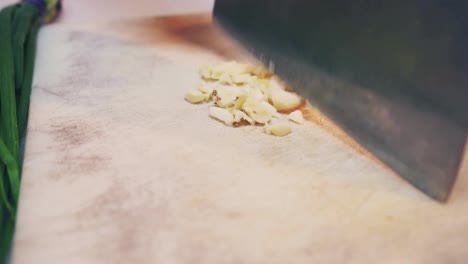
(25, 95)
(7, 83)
(23, 19)
(12, 170)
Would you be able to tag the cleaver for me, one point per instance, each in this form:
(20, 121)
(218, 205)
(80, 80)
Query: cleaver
(393, 74)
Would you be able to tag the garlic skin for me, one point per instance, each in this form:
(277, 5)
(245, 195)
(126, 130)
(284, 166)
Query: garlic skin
(195, 96)
(278, 129)
(222, 115)
(296, 117)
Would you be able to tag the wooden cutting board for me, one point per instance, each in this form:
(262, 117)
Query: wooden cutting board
(120, 169)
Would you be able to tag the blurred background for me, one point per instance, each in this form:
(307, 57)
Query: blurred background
(105, 10)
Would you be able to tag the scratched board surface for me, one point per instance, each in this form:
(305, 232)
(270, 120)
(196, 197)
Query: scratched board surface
(120, 169)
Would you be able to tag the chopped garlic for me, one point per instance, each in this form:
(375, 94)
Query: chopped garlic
(272, 109)
(256, 94)
(257, 110)
(284, 101)
(225, 78)
(240, 116)
(206, 72)
(260, 72)
(204, 87)
(274, 84)
(229, 68)
(195, 96)
(239, 102)
(279, 129)
(246, 94)
(296, 117)
(261, 84)
(237, 68)
(241, 78)
(226, 96)
(222, 115)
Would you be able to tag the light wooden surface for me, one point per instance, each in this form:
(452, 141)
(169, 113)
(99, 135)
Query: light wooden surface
(90, 11)
(120, 169)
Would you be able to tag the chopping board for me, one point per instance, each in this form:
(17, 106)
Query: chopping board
(120, 169)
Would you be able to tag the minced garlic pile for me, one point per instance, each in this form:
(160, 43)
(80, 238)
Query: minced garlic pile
(247, 95)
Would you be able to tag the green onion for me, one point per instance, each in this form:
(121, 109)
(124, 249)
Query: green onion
(12, 170)
(7, 83)
(24, 17)
(7, 234)
(23, 99)
(19, 26)
(8, 123)
(4, 195)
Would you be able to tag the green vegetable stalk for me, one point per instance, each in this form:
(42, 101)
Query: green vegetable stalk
(19, 25)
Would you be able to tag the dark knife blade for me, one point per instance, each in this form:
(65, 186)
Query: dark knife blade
(392, 74)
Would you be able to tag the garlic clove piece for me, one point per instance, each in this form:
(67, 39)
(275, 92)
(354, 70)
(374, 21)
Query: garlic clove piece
(222, 115)
(195, 96)
(240, 79)
(240, 116)
(257, 110)
(256, 94)
(227, 96)
(240, 100)
(278, 129)
(296, 117)
(261, 84)
(205, 88)
(206, 72)
(225, 78)
(272, 109)
(285, 101)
